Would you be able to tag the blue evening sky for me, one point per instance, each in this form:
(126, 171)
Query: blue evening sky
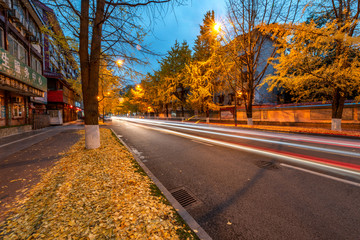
(181, 24)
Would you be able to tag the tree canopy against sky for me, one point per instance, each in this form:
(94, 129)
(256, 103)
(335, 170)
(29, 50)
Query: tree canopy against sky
(113, 27)
(203, 71)
(172, 74)
(244, 59)
(320, 58)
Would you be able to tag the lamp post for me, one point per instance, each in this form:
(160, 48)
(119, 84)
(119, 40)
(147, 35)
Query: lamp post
(100, 100)
(217, 30)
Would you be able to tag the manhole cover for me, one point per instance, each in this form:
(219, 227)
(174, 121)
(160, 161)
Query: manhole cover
(269, 165)
(184, 197)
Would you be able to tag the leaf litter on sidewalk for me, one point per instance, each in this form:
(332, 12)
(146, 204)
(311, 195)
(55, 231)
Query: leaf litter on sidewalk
(94, 194)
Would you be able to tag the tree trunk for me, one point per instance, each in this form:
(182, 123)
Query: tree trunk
(235, 110)
(90, 70)
(167, 110)
(207, 115)
(337, 110)
(248, 107)
(92, 136)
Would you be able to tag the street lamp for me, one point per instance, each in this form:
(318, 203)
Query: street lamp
(101, 99)
(120, 62)
(138, 87)
(217, 27)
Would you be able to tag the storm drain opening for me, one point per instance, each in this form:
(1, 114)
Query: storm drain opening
(269, 165)
(184, 197)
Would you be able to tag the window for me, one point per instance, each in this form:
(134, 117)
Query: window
(13, 46)
(18, 107)
(1, 38)
(36, 65)
(20, 12)
(18, 50)
(23, 54)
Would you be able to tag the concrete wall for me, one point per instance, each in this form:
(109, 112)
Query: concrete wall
(14, 130)
(309, 113)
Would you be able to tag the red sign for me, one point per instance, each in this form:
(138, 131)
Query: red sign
(55, 96)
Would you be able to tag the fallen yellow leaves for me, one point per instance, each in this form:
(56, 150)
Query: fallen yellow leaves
(93, 194)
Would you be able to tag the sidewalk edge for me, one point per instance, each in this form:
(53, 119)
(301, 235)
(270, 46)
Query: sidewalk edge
(200, 232)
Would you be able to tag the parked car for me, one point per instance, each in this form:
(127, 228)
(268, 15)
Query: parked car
(107, 118)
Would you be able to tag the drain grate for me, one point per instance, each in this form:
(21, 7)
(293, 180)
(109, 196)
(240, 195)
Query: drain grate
(184, 197)
(269, 165)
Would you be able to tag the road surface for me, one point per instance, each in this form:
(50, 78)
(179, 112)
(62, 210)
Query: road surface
(247, 184)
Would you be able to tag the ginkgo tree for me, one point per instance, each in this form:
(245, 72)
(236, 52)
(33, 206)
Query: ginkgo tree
(246, 51)
(203, 72)
(320, 61)
(98, 26)
(173, 75)
(109, 86)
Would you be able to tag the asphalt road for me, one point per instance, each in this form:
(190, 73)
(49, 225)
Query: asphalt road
(253, 184)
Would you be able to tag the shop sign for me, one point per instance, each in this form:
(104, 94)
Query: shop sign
(12, 67)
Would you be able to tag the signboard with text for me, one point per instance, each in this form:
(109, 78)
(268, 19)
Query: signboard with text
(14, 68)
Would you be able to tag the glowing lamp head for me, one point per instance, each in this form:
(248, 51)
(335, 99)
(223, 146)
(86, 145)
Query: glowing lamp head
(217, 27)
(120, 62)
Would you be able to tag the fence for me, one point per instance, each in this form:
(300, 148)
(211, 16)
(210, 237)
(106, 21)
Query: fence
(40, 120)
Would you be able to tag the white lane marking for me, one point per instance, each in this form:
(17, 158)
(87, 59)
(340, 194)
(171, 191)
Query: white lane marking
(320, 149)
(321, 174)
(6, 144)
(284, 157)
(202, 143)
(136, 151)
(314, 139)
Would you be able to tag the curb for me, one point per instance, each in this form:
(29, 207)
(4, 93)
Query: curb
(199, 231)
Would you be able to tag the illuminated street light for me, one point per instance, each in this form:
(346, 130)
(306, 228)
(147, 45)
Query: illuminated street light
(120, 62)
(217, 27)
(138, 87)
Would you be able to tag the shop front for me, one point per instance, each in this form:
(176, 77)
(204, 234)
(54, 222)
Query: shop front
(18, 82)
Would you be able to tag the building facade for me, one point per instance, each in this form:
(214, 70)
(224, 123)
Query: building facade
(63, 103)
(22, 84)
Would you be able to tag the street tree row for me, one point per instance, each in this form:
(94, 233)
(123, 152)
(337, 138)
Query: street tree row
(315, 56)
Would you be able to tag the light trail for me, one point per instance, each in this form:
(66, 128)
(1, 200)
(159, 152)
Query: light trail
(343, 169)
(319, 149)
(314, 139)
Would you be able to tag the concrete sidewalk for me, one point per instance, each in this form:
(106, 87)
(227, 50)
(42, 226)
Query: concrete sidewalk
(23, 157)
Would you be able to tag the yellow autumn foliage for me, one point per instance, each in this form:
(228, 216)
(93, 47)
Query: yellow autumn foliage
(92, 194)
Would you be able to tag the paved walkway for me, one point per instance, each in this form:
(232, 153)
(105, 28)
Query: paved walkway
(23, 157)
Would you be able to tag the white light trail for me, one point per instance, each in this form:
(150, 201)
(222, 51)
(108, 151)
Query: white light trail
(346, 172)
(319, 149)
(313, 139)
